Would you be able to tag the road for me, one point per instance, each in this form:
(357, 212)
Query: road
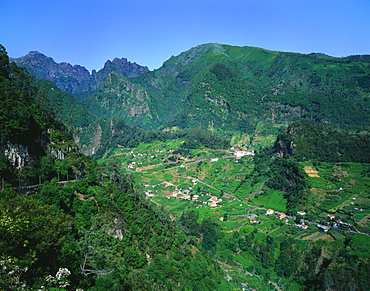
(253, 207)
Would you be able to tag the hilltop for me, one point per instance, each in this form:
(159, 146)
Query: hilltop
(236, 88)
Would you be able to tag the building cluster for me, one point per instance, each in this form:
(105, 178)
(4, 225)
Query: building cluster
(285, 218)
(240, 154)
(212, 202)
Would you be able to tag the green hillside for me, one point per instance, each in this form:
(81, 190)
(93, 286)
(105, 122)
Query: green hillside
(118, 98)
(68, 224)
(228, 89)
(261, 250)
(234, 88)
(70, 111)
(228, 168)
(306, 140)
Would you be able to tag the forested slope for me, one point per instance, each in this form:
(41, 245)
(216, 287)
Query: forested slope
(236, 87)
(220, 87)
(66, 223)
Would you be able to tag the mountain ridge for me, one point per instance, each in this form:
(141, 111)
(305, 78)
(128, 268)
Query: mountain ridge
(291, 79)
(75, 79)
(234, 89)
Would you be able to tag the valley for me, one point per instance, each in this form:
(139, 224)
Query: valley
(216, 185)
(227, 168)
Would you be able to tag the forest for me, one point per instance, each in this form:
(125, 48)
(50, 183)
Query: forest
(74, 222)
(68, 223)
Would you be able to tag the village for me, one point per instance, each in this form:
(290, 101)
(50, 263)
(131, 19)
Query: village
(214, 203)
(209, 181)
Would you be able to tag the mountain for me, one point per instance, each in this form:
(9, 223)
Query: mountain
(75, 79)
(306, 140)
(117, 97)
(237, 88)
(63, 75)
(28, 128)
(70, 111)
(230, 89)
(67, 223)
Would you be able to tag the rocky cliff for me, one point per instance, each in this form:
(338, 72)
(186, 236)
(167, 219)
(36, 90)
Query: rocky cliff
(75, 79)
(117, 97)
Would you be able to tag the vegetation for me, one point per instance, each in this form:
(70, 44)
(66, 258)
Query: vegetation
(125, 135)
(217, 175)
(234, 88)
(68, 109)
(306, 140)
(225, 88)
(93, 222)
(270, 250)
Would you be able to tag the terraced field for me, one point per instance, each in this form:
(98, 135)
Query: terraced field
(339, 189)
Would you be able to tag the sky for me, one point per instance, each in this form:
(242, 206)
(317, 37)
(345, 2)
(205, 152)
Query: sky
(149, 32)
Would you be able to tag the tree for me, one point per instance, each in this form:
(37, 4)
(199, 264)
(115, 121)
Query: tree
(210, 237)
(189, 220)
(31, 233)
(47, 168)
(62, 168)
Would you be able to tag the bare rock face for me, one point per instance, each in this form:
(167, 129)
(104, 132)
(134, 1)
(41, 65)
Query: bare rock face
(18, 155)
(64, 75)
(75, 79)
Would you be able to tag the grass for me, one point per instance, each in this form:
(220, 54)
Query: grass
(247, 229)
(230, 177)
(271, 199)
(318, 182)
(332, 203)
(244, 259)
(230, 225)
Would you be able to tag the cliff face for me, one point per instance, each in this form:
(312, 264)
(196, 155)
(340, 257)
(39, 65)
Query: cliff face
(18, 155)
(75, 79)
(117, 97)
(64, 75)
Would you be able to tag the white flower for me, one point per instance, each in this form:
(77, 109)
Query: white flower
(62, 273)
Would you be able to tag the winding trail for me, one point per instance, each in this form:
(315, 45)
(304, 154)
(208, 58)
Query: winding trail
(252, 207)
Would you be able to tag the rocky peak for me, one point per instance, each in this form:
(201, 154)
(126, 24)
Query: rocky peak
(123, 67)
(75, 78)
(64, 75)
(35, 54)
(121, 62)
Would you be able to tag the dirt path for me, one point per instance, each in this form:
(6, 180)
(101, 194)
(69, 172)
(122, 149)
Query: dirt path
(365, 220)
(276, 286)
(312, 235)
(225, 264)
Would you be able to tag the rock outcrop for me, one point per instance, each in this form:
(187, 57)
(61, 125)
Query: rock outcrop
(75, 79)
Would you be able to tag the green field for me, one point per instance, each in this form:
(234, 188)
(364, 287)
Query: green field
(339, 190)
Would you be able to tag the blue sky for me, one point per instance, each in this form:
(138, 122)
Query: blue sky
(148, 32)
